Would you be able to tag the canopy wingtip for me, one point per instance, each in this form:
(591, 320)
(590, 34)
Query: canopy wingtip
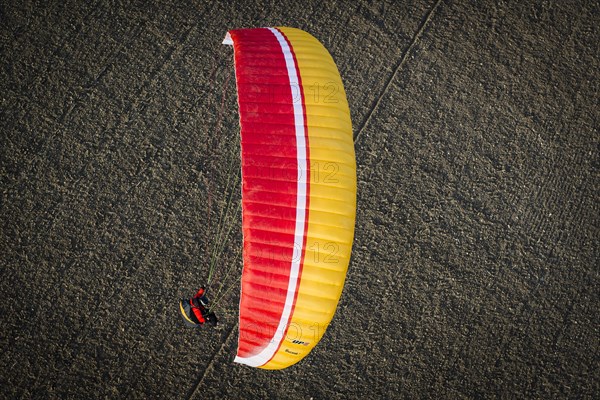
(228, 40)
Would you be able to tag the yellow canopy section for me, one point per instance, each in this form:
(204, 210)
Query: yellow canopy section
(332, 198)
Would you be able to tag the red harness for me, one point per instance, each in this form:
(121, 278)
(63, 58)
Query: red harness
(197, 310)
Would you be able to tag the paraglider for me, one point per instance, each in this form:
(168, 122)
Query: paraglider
(196, 311)
(298, 175)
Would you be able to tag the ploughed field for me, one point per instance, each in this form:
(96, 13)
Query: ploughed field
(474, 269)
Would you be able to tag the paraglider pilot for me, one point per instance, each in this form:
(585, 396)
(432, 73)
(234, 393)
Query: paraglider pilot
(196, 312)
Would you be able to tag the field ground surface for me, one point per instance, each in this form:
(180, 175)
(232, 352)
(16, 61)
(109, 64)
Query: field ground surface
(474, 271)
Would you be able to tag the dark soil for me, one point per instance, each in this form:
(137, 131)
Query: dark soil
(475, 265)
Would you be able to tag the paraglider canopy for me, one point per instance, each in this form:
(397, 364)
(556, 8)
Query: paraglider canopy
(298, 192)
